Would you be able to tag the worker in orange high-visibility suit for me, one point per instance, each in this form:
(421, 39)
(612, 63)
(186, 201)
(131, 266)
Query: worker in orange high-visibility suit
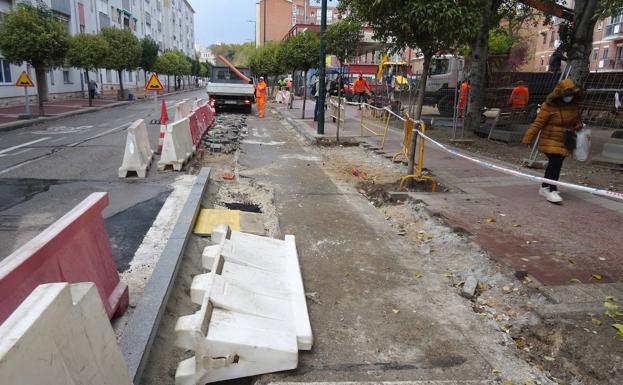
(463, 97)
(260, 95)
(519, 97)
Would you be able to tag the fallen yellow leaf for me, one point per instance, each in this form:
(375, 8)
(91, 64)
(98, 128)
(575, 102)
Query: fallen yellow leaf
(619, 328)
(612, 298)
(611, 306)
(527, 381)
(495, 371)
(559, 253)
(447, 274)
(549, 358)
(596, 321)
(574, 280)
(396, 311)
(614, 314)
(598, 277)
(490, 220)
(417, 275)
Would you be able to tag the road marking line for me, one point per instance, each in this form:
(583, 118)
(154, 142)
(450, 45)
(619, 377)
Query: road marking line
(23, 145)
(57, 139)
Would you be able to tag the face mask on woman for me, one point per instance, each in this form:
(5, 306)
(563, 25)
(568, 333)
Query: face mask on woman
(567, 99)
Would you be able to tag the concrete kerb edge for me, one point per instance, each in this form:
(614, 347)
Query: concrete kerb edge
(32, 122)
(143, 325)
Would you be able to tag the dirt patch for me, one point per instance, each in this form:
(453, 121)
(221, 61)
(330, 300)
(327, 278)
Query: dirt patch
(579, 350)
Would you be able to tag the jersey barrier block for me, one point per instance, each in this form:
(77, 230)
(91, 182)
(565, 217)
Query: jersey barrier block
(60, 335)
(76, 248)
(138, 153)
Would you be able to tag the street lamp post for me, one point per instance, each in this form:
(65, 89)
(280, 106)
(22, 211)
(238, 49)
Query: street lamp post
(254, 30)
(322, 70)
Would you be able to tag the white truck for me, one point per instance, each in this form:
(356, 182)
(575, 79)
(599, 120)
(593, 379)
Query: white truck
(228, 89)
(445, 73)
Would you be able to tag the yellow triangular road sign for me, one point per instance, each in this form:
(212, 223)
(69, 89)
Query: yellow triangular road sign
(154, 84)
(24, 81)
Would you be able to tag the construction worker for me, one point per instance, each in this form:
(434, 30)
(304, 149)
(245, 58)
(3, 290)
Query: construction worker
(359, 90)
(463, 97)
(260, 95)
(519, 97)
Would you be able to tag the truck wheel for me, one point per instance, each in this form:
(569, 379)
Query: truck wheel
(445, 106)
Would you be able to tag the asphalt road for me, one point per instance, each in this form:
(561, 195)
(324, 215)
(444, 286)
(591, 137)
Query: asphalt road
(46, 169)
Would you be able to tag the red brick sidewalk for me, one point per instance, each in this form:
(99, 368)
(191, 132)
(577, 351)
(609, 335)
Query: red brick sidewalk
(579, 239)
(52, 108)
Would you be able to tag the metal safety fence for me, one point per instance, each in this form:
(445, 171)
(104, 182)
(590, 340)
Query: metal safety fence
(337, 109)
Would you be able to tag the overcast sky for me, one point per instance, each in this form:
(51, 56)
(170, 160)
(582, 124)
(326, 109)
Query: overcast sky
(223, 21)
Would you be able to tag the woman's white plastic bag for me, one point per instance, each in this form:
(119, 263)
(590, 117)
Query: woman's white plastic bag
(582, 145)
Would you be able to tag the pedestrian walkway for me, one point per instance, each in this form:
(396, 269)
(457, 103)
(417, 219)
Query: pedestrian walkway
(371, 320)
(579, 240)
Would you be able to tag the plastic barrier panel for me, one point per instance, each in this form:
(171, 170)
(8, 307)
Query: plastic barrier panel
(138, 153)
(60, 335)
(73, 249)
(178, 145)
(182, 110)
(253, 317)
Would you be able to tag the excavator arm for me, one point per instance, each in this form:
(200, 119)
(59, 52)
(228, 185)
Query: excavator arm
(551, 9)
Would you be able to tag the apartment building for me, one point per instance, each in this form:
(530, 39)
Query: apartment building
(168, 22)
(275, 18)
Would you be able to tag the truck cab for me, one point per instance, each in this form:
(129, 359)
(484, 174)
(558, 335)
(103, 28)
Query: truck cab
(226, 88)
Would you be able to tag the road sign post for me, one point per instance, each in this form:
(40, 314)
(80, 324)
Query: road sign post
(154, 85)
(24, 81)
(322, 70)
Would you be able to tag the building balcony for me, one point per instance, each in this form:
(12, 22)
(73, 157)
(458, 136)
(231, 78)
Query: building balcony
(614, 30)
(610, 64)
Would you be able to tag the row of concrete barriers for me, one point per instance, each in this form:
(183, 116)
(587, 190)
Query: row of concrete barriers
(178, 140)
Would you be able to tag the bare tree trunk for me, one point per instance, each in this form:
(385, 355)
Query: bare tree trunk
(86, 72)
(478, 72)
(304, 93)
(582, 40)
(418, 110)
(120, 73)
(42, 87)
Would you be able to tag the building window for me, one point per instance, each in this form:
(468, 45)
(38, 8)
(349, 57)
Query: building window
(5, 72)
(130, 76)
(108, 76)
(51, 77)
(605, 56)
(552, 39)
(147, 18)
(542, 60)
(595, 53)
(619, 52)
(600, 25)
(66, 77)
(544, 37)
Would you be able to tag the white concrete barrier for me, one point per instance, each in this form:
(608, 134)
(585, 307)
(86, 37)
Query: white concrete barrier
(182, 110)
(178, 145)
(61, 335)
(253, 317)
(138, 153)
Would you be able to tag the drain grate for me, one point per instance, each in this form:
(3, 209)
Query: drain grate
(248, 207)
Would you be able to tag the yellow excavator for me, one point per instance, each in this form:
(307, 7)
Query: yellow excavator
(394, 73)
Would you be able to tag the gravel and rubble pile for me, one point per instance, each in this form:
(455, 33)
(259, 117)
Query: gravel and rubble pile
(226, 133)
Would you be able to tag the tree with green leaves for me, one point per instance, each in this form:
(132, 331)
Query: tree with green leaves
(263, 61)
(165, 64)
(431, 26)
(149, 55)
(125, 51)
(33, 34)
(343, 39)
(87, 51)
(300, 53)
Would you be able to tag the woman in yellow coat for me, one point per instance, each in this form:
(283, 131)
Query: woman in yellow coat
(557, 121)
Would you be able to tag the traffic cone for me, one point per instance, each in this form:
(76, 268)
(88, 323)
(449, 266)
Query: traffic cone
(164, 118)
